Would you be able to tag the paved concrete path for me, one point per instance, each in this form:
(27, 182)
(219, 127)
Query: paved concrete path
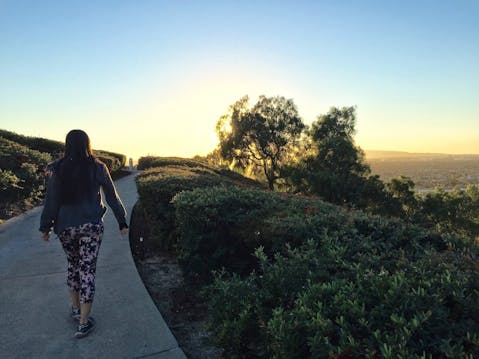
(34, 302)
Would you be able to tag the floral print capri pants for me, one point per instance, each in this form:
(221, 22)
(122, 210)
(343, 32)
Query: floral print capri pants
(81, 245)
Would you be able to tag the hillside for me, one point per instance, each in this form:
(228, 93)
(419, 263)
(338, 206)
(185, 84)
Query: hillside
(289, 276)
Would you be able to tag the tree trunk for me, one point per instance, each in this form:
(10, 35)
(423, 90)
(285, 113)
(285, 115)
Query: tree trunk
(271, 183)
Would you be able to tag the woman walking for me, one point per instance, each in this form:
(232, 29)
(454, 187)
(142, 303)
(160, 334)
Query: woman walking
(74, 209)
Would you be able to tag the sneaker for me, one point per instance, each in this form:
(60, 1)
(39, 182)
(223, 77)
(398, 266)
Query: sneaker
(85, 329)
(75, 313)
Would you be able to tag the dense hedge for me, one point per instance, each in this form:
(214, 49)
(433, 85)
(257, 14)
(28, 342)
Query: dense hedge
(158, 186)
(54, 148)
(155, 161)
(114, 161)
(228, 224)
(326, 282)
(21, 174)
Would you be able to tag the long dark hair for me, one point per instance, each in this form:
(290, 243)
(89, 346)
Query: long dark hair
(76, 168)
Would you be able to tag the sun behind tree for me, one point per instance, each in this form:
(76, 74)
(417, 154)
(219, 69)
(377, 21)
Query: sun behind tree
(258, 139)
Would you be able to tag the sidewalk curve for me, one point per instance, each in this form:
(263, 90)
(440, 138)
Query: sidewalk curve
(34, 302)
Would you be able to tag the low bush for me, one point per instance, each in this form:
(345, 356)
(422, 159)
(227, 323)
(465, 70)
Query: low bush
(156, 189)
(299, 305)
(117, 160)
(113, 163)
(54, 148)
(21, 175)
(154, 161)
(220, 227)
(157, 186)
(326, 282)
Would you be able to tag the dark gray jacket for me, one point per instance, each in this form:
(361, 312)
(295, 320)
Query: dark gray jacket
(91, 208)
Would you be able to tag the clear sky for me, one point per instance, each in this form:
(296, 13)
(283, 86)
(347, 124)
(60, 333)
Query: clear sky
(152, 77)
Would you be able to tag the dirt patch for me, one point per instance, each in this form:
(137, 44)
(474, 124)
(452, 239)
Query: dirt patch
(182, 308)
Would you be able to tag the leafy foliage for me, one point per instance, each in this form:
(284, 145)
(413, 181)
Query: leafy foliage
(54, 148)
(336, 284)
(218, 227)
(157, 187)
(456, 211)
(154, 161)
(114, 161)
(259, 138)
(21, 174)
(334, 168)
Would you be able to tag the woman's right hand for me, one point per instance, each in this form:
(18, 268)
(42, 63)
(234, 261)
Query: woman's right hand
(124, 231)
(45, 236)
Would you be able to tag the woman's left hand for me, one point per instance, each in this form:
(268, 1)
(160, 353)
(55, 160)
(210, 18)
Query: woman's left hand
(45, 236)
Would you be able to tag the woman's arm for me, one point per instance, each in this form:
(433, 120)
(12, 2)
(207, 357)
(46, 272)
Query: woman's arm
(51, 205)
(112, 198)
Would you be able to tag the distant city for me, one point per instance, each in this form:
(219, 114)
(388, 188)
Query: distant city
(427, 170)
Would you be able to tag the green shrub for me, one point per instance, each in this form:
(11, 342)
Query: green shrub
(22, 180)
(422, 308)
(300, 305)
(9, 185)
(111, 162)
(326, 282)
(220, 227)
(156, 189)
(154, 161)
(22, 169)
(54, 148)
(236, 328)
(116, 161)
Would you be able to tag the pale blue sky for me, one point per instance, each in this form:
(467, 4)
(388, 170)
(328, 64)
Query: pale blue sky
(152, 77)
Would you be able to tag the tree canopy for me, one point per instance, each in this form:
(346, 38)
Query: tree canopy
(259, 138)
(335, 168)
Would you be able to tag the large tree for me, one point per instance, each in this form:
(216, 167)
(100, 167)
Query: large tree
(261, 137)
(335, 168)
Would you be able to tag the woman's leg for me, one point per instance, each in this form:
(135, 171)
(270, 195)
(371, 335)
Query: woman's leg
(85, 309)
(75, 297)
(71, 248)
(90, 241)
